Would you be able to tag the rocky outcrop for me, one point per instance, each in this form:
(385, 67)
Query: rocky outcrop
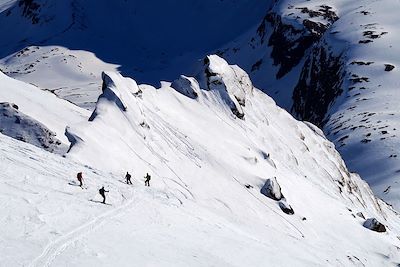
(374, 225)
(285, 207)
(319, 85)
(30, 10)
(389, 67)
(17, 125)
(231, 82)
(187, 86)
(272, 189)
(289, 41)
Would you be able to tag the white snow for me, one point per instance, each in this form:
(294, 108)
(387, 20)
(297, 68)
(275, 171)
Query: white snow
(183, 143)
(210, 142)
(21, 127)
(42, 106)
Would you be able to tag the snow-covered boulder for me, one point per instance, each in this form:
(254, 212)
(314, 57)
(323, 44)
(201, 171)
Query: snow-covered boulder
(233, 83)
(374, 225)
(272, 189)
(187, 86)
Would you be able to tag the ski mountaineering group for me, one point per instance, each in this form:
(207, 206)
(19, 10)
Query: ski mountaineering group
(102, 191)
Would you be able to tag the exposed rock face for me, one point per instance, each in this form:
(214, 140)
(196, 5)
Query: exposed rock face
(230, 81)
(319, 85)
(374, 225)
(272, 189)
(30, 10)
(289, 43)
(389, 67)
(187, 86)
(285, 207)
(19, 126)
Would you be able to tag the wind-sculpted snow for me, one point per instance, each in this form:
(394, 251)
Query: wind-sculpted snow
(208, 160)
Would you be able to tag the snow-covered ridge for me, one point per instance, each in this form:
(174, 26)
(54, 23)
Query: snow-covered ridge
(263, 183)
(230, 169)
(182, 142)
(78, 31)
(313, 57)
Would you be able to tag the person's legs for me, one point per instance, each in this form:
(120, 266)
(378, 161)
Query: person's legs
(104, 199)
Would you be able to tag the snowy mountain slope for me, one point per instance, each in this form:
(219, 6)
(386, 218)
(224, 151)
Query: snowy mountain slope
(327, 62)
(148, 43)
(318, 59)
(51, 223)
(141, 128)
(333, 63)
(365, 119)
(54, 113)
(72, 75)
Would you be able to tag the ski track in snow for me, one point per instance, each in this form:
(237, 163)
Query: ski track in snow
(56, 247)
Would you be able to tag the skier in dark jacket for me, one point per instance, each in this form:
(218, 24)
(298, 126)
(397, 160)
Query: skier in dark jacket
(101, 192)
(128, 178)
(80, 178)
(147, 181)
